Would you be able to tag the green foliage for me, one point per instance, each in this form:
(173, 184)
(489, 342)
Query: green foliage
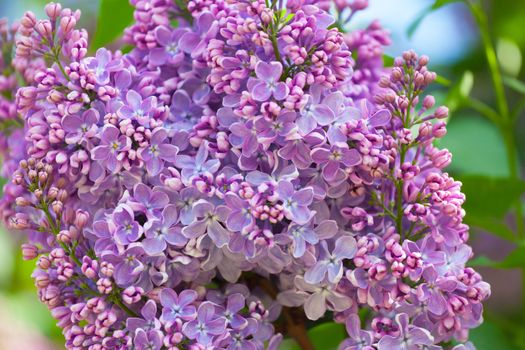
(489, 336)
(326, 336)
(509, 56)
(491, 225)
(515, 84)
(113, 17)
(480, 190)
(476, 145)
(515, 259)
(460, 91)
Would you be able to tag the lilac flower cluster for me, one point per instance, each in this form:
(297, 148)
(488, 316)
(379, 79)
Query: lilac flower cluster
(233, 176)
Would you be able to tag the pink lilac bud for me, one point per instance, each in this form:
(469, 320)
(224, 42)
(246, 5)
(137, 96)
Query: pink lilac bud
(429, 101)
(29, 251)
(104, 285)
(439, 129)
(89, 267)
(132, 294)
(441, 112)
(53, 10)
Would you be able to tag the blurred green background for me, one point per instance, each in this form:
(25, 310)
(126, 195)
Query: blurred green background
(487, 143)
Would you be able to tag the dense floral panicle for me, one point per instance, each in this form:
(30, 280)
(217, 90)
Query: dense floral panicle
(252, 166)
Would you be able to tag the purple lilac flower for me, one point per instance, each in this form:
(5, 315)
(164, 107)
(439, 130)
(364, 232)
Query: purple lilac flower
(234, 304)
(178, 306)
(240, 218)
(206, 326)
(103, 65)
(158, 152)
(359, 339)
(331, 263)
(81, 128)
(433, 291)
(128, 264)
(244, 158)
(314, 112)
(128, 230)
(295, 203)
(198, 165)
(410, 337)
(112, 149)
(163, 231)
(147, 200)
(184, 112)
(148, 321)
(335, 158)
(168, 51)
(268, 84)
(137, 108)
(150, 340)
(208, 221)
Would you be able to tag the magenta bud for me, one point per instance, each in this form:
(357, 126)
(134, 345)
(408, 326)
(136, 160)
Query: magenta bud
(439, 129)
(29, 251)
(132, 294)
(29, 20)
(429, 101)
(57, 207)
(104, 285)
(64, 237)
(53, 10)
(67, 24)
(44, 262)
(441, 112)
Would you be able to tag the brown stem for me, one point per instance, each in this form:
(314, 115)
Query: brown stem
(294, 318)
(296, 329)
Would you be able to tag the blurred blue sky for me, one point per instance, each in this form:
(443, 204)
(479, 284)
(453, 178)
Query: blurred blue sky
(445, 35)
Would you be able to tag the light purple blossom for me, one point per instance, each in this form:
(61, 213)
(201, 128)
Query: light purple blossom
(158, 152)
(137, 108)
(168, 51)
(163, 231)
(112, 148)
(81, 128)
(268, 83)
(206, 326)
(178, 306)
(198, 165)
(410, 337)
(331, 264)
(128, 230)
(295, 203)
(103, 65)
(208, 221)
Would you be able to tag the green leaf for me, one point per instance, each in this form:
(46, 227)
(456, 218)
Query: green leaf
(482, 261)
(388, 61)
(515, 84)
(440, 3)
(509, 56)
(113, 17)
(326, 336)
(460, 91)
(515, 259)
(489, 336)
(490, 196)
(289, 344)
(477, 146)
(491, 225)
(412, 28)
